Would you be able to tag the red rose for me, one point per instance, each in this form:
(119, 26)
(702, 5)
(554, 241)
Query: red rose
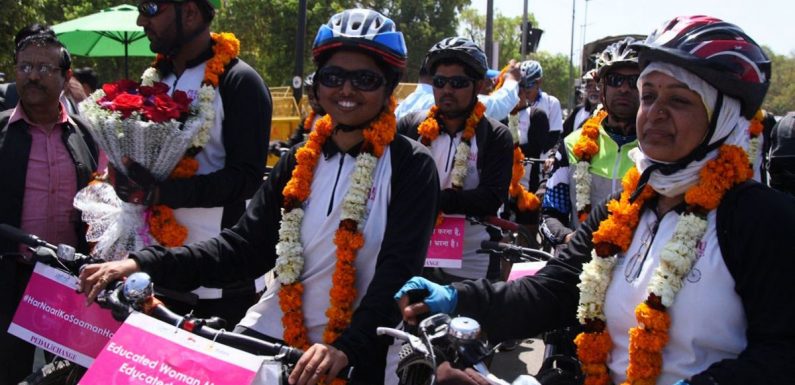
(161, 109)
(156, 89)
(112, 90)
(182, 99)
(127, 104)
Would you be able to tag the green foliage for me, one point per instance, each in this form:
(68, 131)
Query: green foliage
(266, 28)
(781, 96)
(508, 32)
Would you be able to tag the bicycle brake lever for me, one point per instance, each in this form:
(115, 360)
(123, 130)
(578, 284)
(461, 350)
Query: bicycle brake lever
(414, 341)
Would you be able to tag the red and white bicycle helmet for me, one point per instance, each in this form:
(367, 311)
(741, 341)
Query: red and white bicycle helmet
(717, 51)
(362, 29)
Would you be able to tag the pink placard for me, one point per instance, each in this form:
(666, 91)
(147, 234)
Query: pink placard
(447, 243)
(145, 351)
(54, 317)
(519, 270)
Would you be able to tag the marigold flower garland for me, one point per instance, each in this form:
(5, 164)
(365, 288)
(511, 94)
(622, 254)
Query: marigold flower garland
(348, 237)
(525, 200)
(755, 129)
(162, 224)
(647, 340)
(585, 148)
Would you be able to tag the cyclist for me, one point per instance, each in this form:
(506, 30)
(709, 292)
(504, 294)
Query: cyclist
(580, 113)
(594, 158)
(349, 215)
(781, 163)
(473, 152)
(302, 131)
(682, 244)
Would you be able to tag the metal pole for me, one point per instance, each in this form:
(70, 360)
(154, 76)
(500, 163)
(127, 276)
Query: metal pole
(524, 32)
(489, 48)
(126, 56)
(571, 57)
(298, 79)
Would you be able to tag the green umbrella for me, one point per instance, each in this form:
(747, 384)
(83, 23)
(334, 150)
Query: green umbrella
(111, 32)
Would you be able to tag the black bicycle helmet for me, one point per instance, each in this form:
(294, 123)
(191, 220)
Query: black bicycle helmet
(460, 49)
(617, 55)
(716, 51)
(362, 29)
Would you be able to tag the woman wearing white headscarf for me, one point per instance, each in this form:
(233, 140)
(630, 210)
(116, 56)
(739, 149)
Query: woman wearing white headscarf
(688, 276)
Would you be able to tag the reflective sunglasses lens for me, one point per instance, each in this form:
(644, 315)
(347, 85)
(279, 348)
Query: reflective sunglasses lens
(331, 78)
(439, 81)
(366, 80)
(617, 80)
(459, 82)
(148, 8)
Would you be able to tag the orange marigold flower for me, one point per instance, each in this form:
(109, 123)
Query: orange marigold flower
(186, 168)
(651, 318)
(593, 347)
(644, 365)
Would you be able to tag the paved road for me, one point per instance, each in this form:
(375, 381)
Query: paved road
(525, 359)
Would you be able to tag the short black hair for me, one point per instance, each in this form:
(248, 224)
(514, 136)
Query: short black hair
(46, 40)
(32, 29)
(87, 75)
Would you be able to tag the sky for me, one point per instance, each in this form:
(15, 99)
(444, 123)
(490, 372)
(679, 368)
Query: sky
(768, 22)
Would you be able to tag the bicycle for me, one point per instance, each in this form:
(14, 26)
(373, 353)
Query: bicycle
(137, 293)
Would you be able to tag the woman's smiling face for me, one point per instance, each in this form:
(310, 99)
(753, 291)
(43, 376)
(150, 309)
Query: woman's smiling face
(348, 104)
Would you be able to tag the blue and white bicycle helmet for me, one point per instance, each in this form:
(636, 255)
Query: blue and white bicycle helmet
(530, 71)
(361, 29)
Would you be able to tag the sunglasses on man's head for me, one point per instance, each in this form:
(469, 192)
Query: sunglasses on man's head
(151, 8)
(362, 80)
(616, 80)
(456, 82)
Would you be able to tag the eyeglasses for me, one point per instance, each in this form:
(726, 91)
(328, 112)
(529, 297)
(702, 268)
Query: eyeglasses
(362, 80)
(42, 69)
(151, 8)
(616, 80)
(456, 82)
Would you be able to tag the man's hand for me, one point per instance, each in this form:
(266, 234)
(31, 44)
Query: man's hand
(138, 186)
(513, 73)
(318, 362)
(95, 277)
(439, 299)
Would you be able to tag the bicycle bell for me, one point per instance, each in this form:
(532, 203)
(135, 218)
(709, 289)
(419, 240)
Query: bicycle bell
(464, 329)
(138, 287)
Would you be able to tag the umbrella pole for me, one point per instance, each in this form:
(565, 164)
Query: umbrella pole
(126, 69)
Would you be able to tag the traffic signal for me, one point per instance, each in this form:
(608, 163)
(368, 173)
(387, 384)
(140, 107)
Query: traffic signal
(532, 37)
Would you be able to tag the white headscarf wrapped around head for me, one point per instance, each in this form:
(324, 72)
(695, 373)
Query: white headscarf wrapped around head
(730, 125)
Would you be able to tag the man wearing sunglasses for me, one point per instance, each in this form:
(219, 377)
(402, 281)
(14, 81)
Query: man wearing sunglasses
(781, 166)
(458, 69)
(232, 161)
(617, 75)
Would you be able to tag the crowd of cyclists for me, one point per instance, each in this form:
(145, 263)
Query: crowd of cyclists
(672, 255)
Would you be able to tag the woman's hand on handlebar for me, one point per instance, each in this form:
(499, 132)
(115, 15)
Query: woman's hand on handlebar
(318, 362)
(95, 277)
(437, 299)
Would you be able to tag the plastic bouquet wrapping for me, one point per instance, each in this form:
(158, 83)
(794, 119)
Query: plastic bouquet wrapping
(150, 127)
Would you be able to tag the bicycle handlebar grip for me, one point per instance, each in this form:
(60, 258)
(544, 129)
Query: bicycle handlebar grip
(19, 236)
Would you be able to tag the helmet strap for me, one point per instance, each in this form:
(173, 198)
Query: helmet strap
(696, 155)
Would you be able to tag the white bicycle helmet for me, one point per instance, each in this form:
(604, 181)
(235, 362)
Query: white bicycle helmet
(530, 71)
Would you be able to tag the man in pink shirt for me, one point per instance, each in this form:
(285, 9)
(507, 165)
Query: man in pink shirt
(46, 156)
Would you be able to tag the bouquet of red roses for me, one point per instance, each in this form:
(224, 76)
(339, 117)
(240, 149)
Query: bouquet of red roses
(151, 127)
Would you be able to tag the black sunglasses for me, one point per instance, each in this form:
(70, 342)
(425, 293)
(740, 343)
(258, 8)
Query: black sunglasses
(456, 82)
(150, 8)
(362, 80)
(616, 80)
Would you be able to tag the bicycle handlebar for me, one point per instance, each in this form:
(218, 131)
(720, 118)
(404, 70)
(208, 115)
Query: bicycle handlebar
(517, 252)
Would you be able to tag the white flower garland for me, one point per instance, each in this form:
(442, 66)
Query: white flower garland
(754, 146)
(290, 251)
(582, 184)
(460, 164)
(513, 127)
(676, 260)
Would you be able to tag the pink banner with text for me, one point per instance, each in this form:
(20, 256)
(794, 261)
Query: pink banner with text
(145, 351)
(446, 248)
(54, 317)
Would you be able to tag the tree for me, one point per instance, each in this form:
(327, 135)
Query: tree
(508, 34)
(781, 96)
